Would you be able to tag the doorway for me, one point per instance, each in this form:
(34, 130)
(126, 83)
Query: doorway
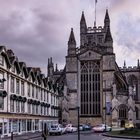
(122, 123)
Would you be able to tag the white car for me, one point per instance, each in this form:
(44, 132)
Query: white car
(56, 129)
(101, 128)
(71, 128)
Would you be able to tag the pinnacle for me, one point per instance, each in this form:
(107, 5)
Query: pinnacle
(108, 36)
(72, 38)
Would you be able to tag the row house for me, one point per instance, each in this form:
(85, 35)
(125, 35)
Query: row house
(28, 99)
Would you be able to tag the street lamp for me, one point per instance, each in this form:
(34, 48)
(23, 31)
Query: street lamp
(105, 103)
(78, 119)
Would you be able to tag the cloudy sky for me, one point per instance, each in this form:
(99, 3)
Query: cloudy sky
(38, 29)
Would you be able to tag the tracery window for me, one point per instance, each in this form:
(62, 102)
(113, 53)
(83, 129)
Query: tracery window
(123, 111)
(90, 88)
(133, 83)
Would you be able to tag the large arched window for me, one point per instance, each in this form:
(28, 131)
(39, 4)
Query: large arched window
(133, 82)
(90, 88)
(123, 111)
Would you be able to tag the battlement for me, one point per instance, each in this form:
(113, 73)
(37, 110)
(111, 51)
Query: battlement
(95, 29)
(129, 68)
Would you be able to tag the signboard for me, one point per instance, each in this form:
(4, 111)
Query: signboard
(108, 108)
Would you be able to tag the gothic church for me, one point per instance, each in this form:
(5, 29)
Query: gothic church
(93, 80)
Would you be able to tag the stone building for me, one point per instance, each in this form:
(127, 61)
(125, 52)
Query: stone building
(28, 99)
(93, 80)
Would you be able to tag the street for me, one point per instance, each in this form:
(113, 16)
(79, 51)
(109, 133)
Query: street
(86, 136)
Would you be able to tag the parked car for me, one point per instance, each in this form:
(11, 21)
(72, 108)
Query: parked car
(101, 128)
(84, 127)
(56, 129)
(129, 125)
(71, 128)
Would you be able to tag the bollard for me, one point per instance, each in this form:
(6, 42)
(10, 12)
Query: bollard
(11, 135)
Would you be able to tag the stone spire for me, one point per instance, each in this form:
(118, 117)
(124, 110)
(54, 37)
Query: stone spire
(108, 36)
(106, 20)
(56, 69)
(83, 29)
(72, 44)
(138, 65)
(83, 22)
(124, 65)
(72, 38)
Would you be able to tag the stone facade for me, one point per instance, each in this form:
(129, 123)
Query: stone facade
(104, 92)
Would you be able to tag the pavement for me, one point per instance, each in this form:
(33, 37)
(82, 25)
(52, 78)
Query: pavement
(107, 134)
(25, 136)
(118, 136)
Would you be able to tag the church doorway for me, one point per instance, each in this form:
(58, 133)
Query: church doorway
(122, 123)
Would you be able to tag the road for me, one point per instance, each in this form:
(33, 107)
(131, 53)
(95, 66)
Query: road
(86, 136)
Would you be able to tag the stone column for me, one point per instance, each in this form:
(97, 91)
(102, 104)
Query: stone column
(114, 90)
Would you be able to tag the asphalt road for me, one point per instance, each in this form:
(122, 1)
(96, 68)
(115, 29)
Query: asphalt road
(86, 136)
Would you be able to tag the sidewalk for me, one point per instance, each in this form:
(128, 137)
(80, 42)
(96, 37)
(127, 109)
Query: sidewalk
(117, 136)
(107, 134)
(25, 136)
(117, 128)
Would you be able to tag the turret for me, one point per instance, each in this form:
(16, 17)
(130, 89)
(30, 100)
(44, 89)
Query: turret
(106, 20)
(56, 69)
(72, 44)
(83, 29)
(124, 65)
(50, 67)
(138, 64)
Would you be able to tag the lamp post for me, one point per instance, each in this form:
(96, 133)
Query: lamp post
(78, 119)
(105, 104)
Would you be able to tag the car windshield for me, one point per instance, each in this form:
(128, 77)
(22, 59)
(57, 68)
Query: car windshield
(54, 126)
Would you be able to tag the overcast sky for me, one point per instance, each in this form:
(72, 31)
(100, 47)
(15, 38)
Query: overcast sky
(38, 29)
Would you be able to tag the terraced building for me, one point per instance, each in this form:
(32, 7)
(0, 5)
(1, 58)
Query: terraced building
(28, 99)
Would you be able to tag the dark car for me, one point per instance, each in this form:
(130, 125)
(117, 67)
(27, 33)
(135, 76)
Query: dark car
(84, 127)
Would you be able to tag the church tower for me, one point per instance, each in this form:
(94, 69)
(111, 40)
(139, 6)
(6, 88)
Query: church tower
(71, 73)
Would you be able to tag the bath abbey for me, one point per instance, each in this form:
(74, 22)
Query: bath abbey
(93, 81)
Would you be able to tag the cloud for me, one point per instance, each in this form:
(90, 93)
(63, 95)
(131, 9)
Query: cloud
(36, 30)
(127, 37)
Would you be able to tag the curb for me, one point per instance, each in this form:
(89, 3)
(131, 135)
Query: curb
(22, 137)
(117, 136)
